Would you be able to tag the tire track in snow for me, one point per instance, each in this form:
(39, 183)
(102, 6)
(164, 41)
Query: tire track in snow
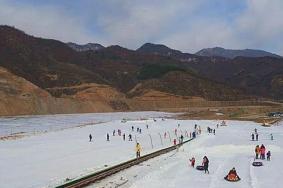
(215, 181)
(253, 178)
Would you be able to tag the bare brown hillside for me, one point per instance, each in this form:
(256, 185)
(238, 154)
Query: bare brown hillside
(19, 97)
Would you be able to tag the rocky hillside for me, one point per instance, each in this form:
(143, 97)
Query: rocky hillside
(258, 76)
(20, 97)
(228, 53)
(85, 47)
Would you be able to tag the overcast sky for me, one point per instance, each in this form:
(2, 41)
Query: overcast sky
(187, 25)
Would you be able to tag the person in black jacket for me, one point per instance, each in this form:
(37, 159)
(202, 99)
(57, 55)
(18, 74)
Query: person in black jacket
(268, 155)
(205, 163)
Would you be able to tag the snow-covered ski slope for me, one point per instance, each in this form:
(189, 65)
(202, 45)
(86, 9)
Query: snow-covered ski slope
(46, 160)
(230, 147)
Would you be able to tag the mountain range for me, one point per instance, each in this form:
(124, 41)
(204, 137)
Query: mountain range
(69, 78)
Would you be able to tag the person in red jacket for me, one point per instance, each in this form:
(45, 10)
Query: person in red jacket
(232, 175)
(193, 160)
(262, 151)
(175, 142)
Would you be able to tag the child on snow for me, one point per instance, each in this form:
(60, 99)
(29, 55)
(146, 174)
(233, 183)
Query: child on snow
(192, 160)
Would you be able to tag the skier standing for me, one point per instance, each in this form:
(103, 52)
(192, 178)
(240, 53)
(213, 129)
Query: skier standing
(130, 137)
(90, 137)
(253, 137)
(124, 137)
(257, 151)
(262, 151)
(182, 138)
(174, 142)
(268, 154)
(194, 134)
(271, 136)
(138, 150)
(107, 137)
(256, 137)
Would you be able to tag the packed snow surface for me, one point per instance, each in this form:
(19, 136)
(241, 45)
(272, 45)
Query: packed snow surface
(48, 159)
(26, 125)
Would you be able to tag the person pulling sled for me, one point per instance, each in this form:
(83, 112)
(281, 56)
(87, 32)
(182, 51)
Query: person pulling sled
(205, 163)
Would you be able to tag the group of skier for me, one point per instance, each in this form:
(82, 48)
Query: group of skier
(255, 135)
(210, 130)
(260, 152)
(119, 134)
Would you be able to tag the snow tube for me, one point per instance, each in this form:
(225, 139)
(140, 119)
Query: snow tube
(200, 167)
(257, 163)
(232, 179)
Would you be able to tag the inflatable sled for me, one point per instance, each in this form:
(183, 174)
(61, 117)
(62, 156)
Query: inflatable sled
(232, 178)
(257, 163)
(200, 167)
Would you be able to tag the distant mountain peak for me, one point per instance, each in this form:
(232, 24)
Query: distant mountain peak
(85, 47)
(158, 49)
(230, 53)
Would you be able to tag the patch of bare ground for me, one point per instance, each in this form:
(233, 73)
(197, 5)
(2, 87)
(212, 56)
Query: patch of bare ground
(12, 137)
(257, 113)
